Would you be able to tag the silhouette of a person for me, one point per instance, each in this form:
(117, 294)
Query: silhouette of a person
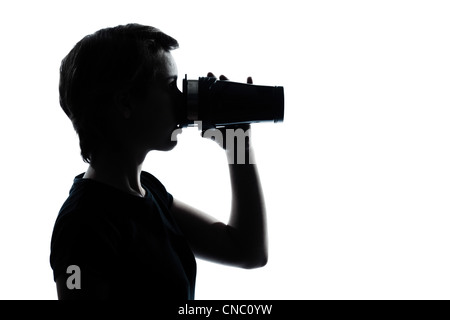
(119, 227)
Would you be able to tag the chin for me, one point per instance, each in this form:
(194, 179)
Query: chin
(169, 146)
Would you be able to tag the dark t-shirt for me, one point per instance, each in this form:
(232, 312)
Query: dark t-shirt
(132, 243)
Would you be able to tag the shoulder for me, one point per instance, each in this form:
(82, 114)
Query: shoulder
(88, 213)
(84, 234)
(82, 196)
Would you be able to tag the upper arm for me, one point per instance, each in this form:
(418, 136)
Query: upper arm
(209, 238)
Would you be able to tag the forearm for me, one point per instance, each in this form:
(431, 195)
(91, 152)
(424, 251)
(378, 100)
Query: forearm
(248, 214)
(242, 242)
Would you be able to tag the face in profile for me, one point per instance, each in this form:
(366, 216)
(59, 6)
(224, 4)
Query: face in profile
(153, 118)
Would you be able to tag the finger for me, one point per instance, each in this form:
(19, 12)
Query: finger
(249, 80)
(222, 77)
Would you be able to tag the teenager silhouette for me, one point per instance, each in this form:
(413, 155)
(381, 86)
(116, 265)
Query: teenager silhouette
(127, 237)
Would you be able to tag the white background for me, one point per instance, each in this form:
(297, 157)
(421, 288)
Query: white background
(357, 178)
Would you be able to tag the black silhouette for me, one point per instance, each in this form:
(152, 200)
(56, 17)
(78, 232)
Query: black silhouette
(120, 234)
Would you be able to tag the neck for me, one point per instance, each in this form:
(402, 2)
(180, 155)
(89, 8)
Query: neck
(117, 169)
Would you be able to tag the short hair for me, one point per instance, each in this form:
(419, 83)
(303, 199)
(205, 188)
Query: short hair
(99, 66)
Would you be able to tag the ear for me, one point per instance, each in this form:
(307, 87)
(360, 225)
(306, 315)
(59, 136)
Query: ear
(123, 104)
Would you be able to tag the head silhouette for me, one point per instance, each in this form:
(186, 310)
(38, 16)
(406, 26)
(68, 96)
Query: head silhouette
(118, 87)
